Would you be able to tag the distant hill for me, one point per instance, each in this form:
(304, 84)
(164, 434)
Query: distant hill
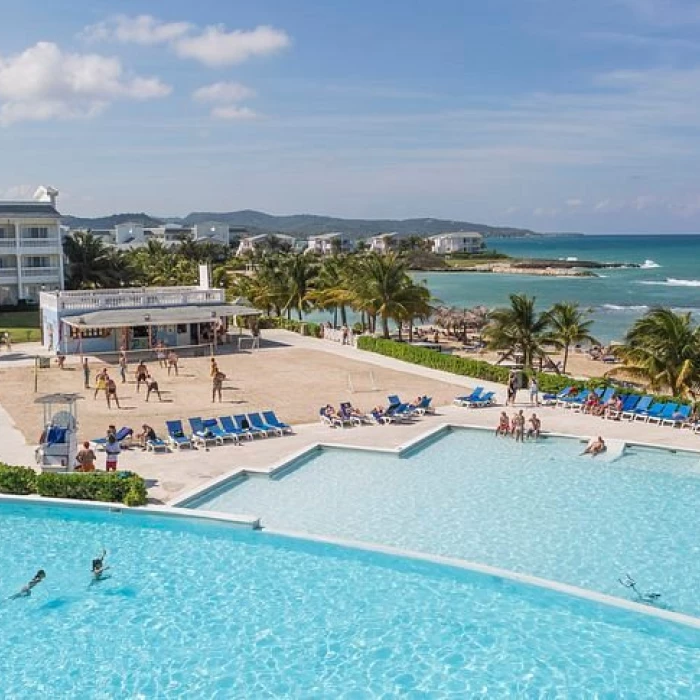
(302, 225)
(111, 221)
(310, 224)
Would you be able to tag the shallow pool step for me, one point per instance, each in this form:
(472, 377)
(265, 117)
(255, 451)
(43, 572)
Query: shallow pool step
(615, 450)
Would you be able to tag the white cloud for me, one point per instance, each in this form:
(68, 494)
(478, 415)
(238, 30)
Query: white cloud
(226, 93)
(574, 202)
(602, 205)
(217, 47)
(43, 82)
(143, 29)
(234, 112)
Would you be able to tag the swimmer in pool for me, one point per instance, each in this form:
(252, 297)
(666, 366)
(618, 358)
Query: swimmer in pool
(98, 567)
(595, 447)
(27, 590)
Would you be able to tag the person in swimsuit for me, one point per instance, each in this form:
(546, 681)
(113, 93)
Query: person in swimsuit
(172, 362)
(111, 391)
(152, 385)
(503, 427)
(595, 447)
(141, 375)
(519, 429)
(535, 426)
(85, 459)
(217, 384)
(100, 383)
(99, 568)
(112, 449)
(26, 591)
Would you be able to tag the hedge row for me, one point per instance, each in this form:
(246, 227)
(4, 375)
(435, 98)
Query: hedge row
(479, 369)
(287, 324)
(116, 487)
(465, 366)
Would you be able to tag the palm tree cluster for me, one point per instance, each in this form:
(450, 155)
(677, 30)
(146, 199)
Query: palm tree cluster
(662, 348)
(376, 286)
(93, 264)
(521, 329)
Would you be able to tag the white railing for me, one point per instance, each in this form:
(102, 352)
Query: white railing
(338, 335)
(39, 271)
(130, 298)
(38, 242)
(6, 272)
(8, 242)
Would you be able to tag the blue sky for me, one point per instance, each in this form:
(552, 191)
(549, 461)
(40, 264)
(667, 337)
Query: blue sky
(553, 115)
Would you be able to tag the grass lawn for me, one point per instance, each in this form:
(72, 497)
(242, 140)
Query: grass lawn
(23, 326)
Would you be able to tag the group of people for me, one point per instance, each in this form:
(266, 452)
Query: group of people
(515, 426)
(515, 383)
(97, 570)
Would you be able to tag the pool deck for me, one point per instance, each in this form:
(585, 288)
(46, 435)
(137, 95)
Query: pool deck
(171, 476)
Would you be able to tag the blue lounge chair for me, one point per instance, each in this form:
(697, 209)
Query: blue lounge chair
(552, 399)
(272, 419)
(424, 406)
(678, 418)
(484, 400)
(400, 411)
(653, 411)
(577, 400)
(229, 426)
(242, 422)
(124, 437)
(257, 421)
(642, 406)
(201, 435)
(629, 401)
(176, 435)
(157, 445)
(345, 415)
(464, 400)
(668, 410)
(212, 425)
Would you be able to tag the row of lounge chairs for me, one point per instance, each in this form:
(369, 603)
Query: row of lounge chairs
(634, 407)
(397, 411)
(217, 431)
(477, 399)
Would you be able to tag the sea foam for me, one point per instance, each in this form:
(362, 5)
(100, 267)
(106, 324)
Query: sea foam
(672, 282)
(649, 265)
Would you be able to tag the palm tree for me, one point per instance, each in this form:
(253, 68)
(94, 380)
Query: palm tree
(663, 348)
(299, 273)
(518, 328)
(91, 264)
(568, 325)
(382, 288)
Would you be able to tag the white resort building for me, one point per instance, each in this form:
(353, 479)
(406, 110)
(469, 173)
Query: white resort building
(330, 243)
(385, 242)
(457, 242)
(252, 243)
(31, 252)
(136, 318)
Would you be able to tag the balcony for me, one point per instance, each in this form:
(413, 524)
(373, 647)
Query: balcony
(130, 297)
(33, 272)
(8, 242)
(8, 274)
(48, 242)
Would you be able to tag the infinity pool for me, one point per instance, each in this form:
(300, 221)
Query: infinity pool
(202, 610)
(537, 508)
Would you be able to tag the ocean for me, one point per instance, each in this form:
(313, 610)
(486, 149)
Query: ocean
(669, 276)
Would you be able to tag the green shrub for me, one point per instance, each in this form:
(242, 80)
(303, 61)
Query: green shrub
(114, 487)
(19, 481)
(290, 324)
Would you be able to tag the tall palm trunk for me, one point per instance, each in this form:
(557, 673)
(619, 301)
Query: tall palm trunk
(385, 327)
(566, 358)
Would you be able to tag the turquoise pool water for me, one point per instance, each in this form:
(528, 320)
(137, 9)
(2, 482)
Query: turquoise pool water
(537, 508)
(202, 610)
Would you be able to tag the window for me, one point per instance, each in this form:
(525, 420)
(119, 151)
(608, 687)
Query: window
(89, 332)
(36, 232)
(37, 261)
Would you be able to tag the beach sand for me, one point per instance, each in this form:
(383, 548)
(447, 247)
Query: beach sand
(294, 382)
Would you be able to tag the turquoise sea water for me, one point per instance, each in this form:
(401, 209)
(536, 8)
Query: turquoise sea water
(670, 277)
(537, 508)
(205, 611)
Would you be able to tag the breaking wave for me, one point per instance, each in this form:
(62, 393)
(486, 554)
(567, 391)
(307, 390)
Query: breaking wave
(673, 282)
(649, 265)
(623, 307)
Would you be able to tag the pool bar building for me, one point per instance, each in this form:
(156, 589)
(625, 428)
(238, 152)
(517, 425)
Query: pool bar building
(106, 320)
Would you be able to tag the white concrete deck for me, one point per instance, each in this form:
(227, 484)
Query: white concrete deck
(172, 475)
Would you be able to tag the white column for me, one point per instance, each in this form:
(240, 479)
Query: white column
(18, 249)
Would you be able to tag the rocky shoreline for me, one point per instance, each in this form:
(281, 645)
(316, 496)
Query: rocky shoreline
(539, 266)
